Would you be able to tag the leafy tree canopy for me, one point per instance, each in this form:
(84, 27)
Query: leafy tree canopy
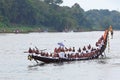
(50, 15)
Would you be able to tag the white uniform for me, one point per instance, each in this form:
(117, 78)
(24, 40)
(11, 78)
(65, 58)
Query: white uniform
(61, 55)
(89, 50)
(102, 42)
(84, 51)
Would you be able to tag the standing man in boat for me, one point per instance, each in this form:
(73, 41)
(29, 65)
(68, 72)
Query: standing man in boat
(111, 30)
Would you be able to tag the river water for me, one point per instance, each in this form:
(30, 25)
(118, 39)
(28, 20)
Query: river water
(15, 66)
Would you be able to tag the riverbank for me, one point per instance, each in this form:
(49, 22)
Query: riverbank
(36, 29)
(15, 28)
(28, 29)
(19, 30)
(24, 29)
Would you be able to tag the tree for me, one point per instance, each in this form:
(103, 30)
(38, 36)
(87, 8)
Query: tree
(48, 14)
(57, 2)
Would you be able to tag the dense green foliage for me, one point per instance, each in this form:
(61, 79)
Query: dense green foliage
(48, 14)
(101, 19)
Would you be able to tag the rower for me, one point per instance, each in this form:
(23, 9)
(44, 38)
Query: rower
(61, 54)
(100, 43)
(89, 48)
(97, 46)
(62, 49)
(84, 50)
(59, 49)
(30, 50)
(37, 51)
(70, 49)
(66, 50)
(79, 50)
(73, 49)
(33, 50)
(55, 50)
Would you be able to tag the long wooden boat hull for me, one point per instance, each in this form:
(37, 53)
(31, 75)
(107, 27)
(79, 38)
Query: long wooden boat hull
(57, 60)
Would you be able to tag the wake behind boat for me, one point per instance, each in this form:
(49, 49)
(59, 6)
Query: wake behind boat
(64, 54)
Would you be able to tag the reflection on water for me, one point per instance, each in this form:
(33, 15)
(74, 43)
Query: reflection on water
(102, 62)
(37, 64)
(32, 68)
(15, 66)
(116, 64)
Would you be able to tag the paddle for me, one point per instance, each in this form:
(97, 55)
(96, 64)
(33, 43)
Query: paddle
(43, 50)
(26, 52)
(40, 50)
(36, 49)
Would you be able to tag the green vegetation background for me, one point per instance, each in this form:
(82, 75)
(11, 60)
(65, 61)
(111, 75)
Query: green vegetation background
(48, 15)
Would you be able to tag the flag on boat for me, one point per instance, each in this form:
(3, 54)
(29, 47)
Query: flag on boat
(61, 44)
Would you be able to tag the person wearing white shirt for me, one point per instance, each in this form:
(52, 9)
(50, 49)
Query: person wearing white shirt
(61, 55)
